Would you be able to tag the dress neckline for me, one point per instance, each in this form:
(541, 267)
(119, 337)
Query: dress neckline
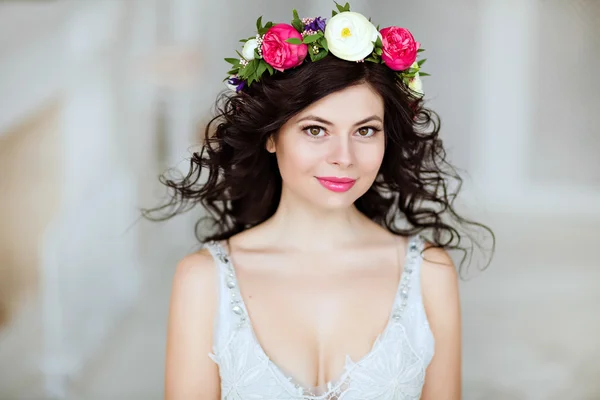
(397, 309)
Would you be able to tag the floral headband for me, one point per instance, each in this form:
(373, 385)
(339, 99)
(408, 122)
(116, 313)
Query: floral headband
(347, 35)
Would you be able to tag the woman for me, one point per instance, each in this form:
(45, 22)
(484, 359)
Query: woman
(324, 168)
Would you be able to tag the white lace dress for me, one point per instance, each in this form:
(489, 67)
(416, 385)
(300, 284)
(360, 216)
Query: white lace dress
(393, 369)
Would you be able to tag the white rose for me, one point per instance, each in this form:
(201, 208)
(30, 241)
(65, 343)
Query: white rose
(350, 36)
(248, 50)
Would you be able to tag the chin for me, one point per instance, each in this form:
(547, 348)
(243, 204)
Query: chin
(337, 201)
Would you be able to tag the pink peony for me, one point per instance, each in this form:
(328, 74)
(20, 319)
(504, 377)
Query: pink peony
(399, 48)
(277, 52)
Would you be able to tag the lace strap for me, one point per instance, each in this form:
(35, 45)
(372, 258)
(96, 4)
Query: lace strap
(410, 276)
(229, 309)
(231, 296)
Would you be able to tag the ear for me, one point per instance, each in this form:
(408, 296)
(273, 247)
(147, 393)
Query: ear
(270, 146)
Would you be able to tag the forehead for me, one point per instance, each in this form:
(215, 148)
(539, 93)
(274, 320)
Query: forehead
(353, 103)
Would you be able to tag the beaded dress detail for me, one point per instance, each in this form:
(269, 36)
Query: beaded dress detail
(394, 369)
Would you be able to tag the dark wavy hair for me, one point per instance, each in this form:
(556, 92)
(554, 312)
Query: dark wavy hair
(239, 184)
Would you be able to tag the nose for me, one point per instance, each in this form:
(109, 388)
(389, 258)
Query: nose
(341, 152)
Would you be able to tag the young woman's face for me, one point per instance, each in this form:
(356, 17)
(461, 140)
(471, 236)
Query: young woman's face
(330, 153)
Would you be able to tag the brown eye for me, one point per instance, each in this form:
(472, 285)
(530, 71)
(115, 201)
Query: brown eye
(314, 131)
(366, 132)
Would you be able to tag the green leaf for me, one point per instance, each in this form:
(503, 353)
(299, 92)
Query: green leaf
(293, 41)
(251, 68)
(378, 51)
(377, 28)
(256, 55)
(297, 22)
(256, 77)
(233, 61)
(421, 62)
(262, 67)
(333, 13)
(233, 71)
(239, 54)
(378, 42)
(372, 59)
(424, 74)
(298, 25)
(270, 69)
(320, 55)
(312, 38)
(263, 29)
(244, 40)
(340, 8)
(253, 65)
(347, 7)
(420, 50)
(323, 43)
(248, 71)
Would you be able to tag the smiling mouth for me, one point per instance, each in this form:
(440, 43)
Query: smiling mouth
(336, 184)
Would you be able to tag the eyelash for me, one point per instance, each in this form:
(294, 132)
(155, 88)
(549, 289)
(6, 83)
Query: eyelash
(306, 128)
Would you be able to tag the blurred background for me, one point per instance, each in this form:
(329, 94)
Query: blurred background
(97, 97)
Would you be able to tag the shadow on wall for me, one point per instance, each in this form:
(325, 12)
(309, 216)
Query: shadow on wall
(30, 181)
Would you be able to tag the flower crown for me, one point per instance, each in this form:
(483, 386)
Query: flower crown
(347, 35)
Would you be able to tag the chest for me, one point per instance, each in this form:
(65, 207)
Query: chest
(309, 312)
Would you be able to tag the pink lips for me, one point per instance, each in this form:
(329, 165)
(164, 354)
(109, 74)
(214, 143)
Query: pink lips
(336, 184)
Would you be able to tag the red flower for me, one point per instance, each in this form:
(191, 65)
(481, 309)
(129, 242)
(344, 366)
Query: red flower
(399, 48)
(280, 54)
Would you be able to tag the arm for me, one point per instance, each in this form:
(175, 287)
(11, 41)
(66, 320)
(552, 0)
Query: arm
(439, 282)
(189, 373)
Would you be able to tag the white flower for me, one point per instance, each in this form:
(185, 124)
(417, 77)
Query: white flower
(248, 50)
(416, 85)
(350, 36)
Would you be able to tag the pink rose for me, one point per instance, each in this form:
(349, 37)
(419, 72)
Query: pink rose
(277, 52)
(399, 48)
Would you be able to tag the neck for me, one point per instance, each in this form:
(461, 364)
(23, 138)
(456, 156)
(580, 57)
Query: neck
(302, 225)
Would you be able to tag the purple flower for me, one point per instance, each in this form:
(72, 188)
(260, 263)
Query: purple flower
(317, 24)
(237, 82)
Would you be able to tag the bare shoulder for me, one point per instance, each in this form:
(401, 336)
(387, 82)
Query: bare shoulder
(194, 293)
(189, 372)
(195, 272)
(439, 282)
(438, 271)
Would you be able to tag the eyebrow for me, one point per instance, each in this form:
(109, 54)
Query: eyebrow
(324, 121)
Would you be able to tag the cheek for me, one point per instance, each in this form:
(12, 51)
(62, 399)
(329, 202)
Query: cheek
(296, 157)
(371, 158)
